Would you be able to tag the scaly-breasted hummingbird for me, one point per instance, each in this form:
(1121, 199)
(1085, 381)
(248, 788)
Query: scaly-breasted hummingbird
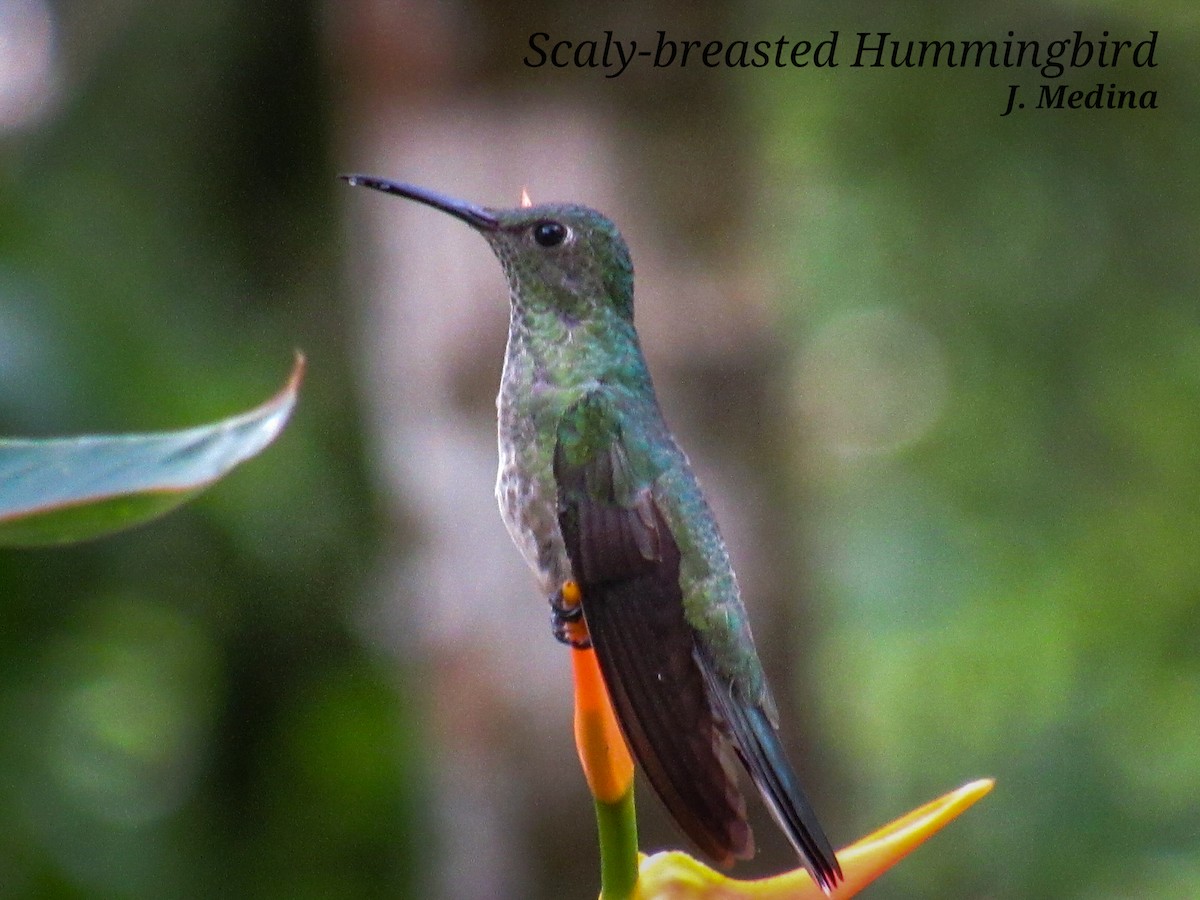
(595, 491)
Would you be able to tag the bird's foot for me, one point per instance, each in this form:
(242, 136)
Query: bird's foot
(566, 617)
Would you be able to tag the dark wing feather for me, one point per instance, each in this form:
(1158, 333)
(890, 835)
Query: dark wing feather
(677, 712)
(627, 565)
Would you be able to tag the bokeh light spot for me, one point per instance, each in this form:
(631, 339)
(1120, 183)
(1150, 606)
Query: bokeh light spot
(869, 383)
(131, 713)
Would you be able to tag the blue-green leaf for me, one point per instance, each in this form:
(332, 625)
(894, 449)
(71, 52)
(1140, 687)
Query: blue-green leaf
(60, 490)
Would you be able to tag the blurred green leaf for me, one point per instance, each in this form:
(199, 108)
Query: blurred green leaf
(60, 490)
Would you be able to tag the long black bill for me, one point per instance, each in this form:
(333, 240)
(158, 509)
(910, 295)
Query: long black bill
(475, 216)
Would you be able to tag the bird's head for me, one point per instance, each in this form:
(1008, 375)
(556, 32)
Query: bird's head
(563, 258)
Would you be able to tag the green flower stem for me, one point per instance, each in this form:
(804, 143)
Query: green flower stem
(617, 824)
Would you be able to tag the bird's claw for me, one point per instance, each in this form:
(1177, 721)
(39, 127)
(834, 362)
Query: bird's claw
(566, 617)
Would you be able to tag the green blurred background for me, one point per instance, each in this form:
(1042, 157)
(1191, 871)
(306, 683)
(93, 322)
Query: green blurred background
(968, 411)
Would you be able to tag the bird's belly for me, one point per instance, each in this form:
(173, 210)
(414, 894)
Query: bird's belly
(529, 506)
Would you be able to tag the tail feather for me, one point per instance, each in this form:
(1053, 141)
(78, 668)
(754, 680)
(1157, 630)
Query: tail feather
(757, 743)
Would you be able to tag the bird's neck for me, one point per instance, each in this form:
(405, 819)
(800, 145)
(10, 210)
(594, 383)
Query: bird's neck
(549, 351)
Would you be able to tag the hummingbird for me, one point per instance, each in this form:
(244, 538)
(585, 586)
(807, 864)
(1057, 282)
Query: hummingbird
(602, 504)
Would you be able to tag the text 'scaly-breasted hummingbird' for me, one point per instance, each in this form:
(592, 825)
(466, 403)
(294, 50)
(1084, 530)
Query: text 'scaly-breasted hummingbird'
(595, 491)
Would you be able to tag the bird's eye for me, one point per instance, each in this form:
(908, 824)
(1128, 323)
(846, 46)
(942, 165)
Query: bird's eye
(549, 234)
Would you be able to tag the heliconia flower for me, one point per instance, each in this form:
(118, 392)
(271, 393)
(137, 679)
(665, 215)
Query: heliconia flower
(673, 875)
(676, 876)
(603, 754)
